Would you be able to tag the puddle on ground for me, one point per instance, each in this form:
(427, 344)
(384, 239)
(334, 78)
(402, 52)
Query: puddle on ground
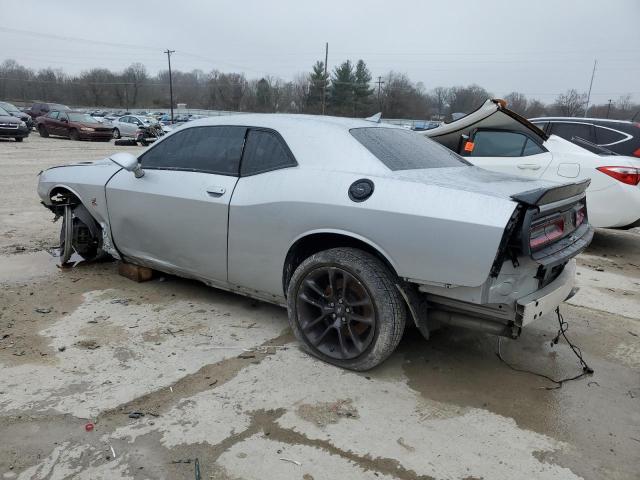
(25, 266)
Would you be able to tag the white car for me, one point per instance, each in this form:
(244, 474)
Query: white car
(496, 138)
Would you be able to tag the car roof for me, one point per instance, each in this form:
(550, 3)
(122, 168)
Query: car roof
(289, 121)
(578, 119)
(307, 137)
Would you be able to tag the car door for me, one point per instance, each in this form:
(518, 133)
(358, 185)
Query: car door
(256, 218)
(507, 151)
(124, 126)
(51, 123)
(63, 124)
(174, 218)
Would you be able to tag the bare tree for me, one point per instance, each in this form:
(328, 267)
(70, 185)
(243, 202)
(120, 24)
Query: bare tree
(571, 103)
(517, 102)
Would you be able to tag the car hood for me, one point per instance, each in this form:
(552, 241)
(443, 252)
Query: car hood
(474, 179)
(9, 119)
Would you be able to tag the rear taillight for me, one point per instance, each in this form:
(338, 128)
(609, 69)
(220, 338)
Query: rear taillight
(636, 153)
(546, 233)
(580, 216)
(628, 175)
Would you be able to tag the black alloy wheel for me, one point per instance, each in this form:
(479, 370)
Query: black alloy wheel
(336, 313)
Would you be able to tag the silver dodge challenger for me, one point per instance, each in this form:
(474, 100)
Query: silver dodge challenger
(355, 226)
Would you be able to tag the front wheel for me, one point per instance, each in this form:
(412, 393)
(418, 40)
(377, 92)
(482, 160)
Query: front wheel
(42, 130)
(344, 307)
(74, 135)
(19, 139)
(116, 133)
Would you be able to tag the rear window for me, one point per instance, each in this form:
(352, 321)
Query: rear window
(401, 149)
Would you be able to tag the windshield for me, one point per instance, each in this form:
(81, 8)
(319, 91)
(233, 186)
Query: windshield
(81, 117)
(8, 107)
(4, 112)
(401, 149)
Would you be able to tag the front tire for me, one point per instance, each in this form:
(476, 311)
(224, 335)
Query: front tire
(116, 133)
(74, 135)
(42, 130)
(19, 139)
(344, 307)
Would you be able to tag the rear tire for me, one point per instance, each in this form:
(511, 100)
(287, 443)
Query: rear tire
(42, 130)
(344, 307)
(116, 133)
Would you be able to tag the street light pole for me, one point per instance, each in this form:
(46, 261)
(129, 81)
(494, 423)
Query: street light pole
(169, 52)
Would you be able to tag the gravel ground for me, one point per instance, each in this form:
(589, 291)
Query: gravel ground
(170, 371)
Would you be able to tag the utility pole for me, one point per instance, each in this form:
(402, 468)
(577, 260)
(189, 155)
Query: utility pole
(169, 52)
(324, 83)
(379, 82)
(609, 108)
(593, 74)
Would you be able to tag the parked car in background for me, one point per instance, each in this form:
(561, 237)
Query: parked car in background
(128, 125)
(357, 227)
(16, 112)
(12, 126)
(496, 138)
(74, 125)
(619, 136)
(39, 109)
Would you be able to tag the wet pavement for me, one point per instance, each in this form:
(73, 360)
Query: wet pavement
(218, 377)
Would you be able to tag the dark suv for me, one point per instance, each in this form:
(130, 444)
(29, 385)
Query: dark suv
(14, 111)
(619, 136)
(40, 109)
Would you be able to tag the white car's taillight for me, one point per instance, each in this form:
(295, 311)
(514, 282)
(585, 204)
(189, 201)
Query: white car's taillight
(628, 175)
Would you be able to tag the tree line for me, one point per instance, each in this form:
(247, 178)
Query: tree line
(347, 90)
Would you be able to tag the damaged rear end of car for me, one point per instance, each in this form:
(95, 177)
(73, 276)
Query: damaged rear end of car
(533, 271)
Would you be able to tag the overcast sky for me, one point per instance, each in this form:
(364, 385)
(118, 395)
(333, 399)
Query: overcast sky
(540, 48)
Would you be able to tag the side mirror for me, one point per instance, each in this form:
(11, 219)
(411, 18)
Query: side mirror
(129, 162)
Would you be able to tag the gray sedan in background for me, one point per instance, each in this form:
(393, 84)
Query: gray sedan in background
(356, 227)
(128, 125)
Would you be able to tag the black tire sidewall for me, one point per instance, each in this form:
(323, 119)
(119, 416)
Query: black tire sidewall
(388, 306)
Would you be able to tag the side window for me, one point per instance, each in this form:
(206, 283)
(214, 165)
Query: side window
(264, 152)
(124, 119)
(204, 149)
(570, 130)
(62, 116)
(53, 115)
(607, 136)
(490, 143)
(532, 148)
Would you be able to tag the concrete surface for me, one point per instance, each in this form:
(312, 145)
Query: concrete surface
(219, 378)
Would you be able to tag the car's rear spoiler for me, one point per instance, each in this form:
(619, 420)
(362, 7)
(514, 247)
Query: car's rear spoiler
(544, 196)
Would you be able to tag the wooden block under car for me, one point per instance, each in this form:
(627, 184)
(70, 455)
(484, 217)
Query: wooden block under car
(133, 272)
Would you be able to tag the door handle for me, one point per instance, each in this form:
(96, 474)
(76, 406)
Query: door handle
(528, 166)
(216, 191)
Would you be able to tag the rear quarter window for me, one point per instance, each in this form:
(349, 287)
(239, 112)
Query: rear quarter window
(400, 149)
(607, 136)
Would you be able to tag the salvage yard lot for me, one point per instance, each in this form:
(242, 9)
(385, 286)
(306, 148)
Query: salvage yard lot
(220, 378)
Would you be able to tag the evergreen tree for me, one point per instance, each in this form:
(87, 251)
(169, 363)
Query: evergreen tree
(341, 89)
(318, 81)
(263, 96)
(362, 91)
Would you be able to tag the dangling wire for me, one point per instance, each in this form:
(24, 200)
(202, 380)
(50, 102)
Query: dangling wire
(564, 326)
